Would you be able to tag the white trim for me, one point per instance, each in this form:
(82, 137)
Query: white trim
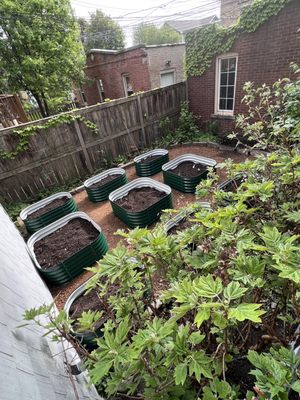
(217, 83)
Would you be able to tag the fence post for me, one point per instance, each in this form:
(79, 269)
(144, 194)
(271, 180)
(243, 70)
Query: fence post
(83, 146)
(141, 120)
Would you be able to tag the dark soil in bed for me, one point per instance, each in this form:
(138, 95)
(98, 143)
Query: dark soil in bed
(48, 207)
(238, 374)
(103, 181)
(63, 243)
(149, 159)
(140, 198)
(189, 169)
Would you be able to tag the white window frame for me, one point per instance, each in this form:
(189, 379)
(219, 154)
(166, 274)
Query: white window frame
(167, 71)
(217, 86)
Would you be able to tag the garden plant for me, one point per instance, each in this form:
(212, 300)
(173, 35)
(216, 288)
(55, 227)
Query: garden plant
(218, 320)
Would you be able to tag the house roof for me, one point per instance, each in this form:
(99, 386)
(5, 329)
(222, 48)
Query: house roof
(187, 25)
(138, 46)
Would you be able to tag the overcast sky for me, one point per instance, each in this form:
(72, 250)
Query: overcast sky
(130, 13)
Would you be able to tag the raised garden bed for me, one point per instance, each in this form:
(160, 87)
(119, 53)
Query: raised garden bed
(79, 302)
(183, 221)
(140, 202)
(150, 163)
(231, 185)
(48, 210)
(64, 248)
(185, 172)
(100, 186)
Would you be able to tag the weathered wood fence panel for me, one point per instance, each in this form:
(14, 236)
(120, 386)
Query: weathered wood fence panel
(61, 154)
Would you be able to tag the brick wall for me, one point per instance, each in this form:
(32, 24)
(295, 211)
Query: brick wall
(263, 57)
(158, 57)
(142, 64)
(110, 66)
(231, 10)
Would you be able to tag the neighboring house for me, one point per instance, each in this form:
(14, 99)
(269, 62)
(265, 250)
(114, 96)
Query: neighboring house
(185, 26)
(114, 74)
(262, 56)
(11, 111)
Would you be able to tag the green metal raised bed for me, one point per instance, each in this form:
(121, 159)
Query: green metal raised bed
(101, 193)
(34, 224)
(144, 168)
(180, 217)
(149, 215)
(87, 338)
(71, 267)
(181, 183)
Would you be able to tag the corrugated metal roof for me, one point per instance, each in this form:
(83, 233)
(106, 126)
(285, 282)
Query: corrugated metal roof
(28, 368)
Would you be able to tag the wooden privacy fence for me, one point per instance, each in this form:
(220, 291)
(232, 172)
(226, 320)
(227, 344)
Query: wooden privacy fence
(63, 153)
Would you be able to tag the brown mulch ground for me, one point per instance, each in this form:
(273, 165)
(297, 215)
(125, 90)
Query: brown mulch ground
(102, 213)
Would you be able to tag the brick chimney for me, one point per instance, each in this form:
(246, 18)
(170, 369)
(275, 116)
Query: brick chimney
(231, 10)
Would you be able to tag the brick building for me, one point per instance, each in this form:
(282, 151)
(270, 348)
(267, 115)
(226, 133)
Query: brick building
(113, 74)
(263, 56)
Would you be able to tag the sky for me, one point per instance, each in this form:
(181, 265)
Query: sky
(133, 12)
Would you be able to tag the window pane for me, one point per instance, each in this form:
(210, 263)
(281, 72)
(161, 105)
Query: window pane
(231, 62)
(224, 65)
(231, 77)
(230, 92)
(222, 104)
(229, 105)
(224, 78)
(223, 92)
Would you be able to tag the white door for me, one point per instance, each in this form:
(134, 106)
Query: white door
(167, 78)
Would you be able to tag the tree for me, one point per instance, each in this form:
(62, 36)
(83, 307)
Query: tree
(101, 32)
(40, 51)
(151, 34)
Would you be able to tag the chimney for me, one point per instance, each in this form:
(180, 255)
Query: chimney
(231, 10)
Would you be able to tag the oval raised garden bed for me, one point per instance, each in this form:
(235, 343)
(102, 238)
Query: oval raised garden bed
(48, 210)
(77, 303)
(231, 185)
(186, 171)
(150, 163)
(140, 202)
(180, 221)
(64, 248)
(100, 186)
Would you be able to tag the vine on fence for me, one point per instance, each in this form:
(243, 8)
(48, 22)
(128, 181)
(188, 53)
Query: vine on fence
(204, 44)
(25, 134)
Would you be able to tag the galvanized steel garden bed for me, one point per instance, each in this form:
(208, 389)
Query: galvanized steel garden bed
(148, 215)
(182, 183)
(156, 159)
(100, 193)
(44, 219)
(72, 266)
(87, 338)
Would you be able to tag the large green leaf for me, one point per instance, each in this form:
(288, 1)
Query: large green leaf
(245, 311)
(180, 374)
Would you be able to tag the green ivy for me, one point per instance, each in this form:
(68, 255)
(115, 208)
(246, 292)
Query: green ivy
(204, 44)
(25, 134)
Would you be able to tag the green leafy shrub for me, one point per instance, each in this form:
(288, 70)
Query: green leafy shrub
(185, 320)
(186, 131)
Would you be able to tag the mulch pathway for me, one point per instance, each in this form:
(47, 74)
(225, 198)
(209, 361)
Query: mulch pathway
(102, 213)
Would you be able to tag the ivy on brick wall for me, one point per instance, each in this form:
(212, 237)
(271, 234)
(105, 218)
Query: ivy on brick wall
(25, 133)
(204, 44)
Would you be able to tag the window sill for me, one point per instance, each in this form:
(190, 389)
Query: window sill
(222, 116)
